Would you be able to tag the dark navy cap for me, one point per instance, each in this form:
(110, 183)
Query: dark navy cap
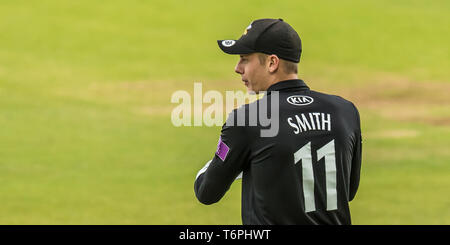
(269, 36)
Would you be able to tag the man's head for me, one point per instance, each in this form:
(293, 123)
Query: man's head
(258, 70)
(269, 52)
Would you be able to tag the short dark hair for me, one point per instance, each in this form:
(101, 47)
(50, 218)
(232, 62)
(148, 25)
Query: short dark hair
(289, 67)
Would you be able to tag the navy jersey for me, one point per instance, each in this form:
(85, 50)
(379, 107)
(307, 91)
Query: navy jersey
(306, 173)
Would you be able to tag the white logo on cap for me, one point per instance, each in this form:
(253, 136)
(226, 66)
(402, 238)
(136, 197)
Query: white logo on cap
(247, 29)
(228, 43)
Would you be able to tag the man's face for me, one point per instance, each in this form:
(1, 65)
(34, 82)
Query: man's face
(253, 73)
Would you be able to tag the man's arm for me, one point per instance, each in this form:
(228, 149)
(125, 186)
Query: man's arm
(356, 159)
(231, 157)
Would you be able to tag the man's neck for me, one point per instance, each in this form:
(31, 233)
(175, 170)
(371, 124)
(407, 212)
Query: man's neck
(278, 79)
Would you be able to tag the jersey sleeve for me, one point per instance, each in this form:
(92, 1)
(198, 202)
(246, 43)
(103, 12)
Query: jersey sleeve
(231, 157)
(356, 159)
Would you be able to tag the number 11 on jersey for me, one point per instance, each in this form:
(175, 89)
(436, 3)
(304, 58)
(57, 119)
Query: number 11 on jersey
(328, 152)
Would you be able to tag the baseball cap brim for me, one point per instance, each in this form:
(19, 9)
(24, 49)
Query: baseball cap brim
(234, 47)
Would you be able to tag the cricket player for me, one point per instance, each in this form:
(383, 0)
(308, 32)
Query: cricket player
(308, 171)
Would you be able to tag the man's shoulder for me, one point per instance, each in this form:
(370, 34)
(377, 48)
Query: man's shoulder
(250, 117)
(239, 116)
(333, 98)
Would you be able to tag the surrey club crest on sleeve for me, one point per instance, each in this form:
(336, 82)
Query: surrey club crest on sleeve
(222, 150)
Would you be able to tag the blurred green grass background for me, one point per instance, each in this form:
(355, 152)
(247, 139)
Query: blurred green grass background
(85, 88)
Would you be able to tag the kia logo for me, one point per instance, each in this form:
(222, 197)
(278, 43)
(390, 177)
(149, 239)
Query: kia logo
(299, 100)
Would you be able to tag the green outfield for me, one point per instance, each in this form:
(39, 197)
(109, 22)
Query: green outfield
(85, 88)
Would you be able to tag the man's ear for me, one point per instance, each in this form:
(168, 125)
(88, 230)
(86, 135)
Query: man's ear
(273, 63)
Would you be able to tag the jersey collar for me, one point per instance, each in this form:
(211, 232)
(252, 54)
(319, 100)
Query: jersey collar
(287, 84)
